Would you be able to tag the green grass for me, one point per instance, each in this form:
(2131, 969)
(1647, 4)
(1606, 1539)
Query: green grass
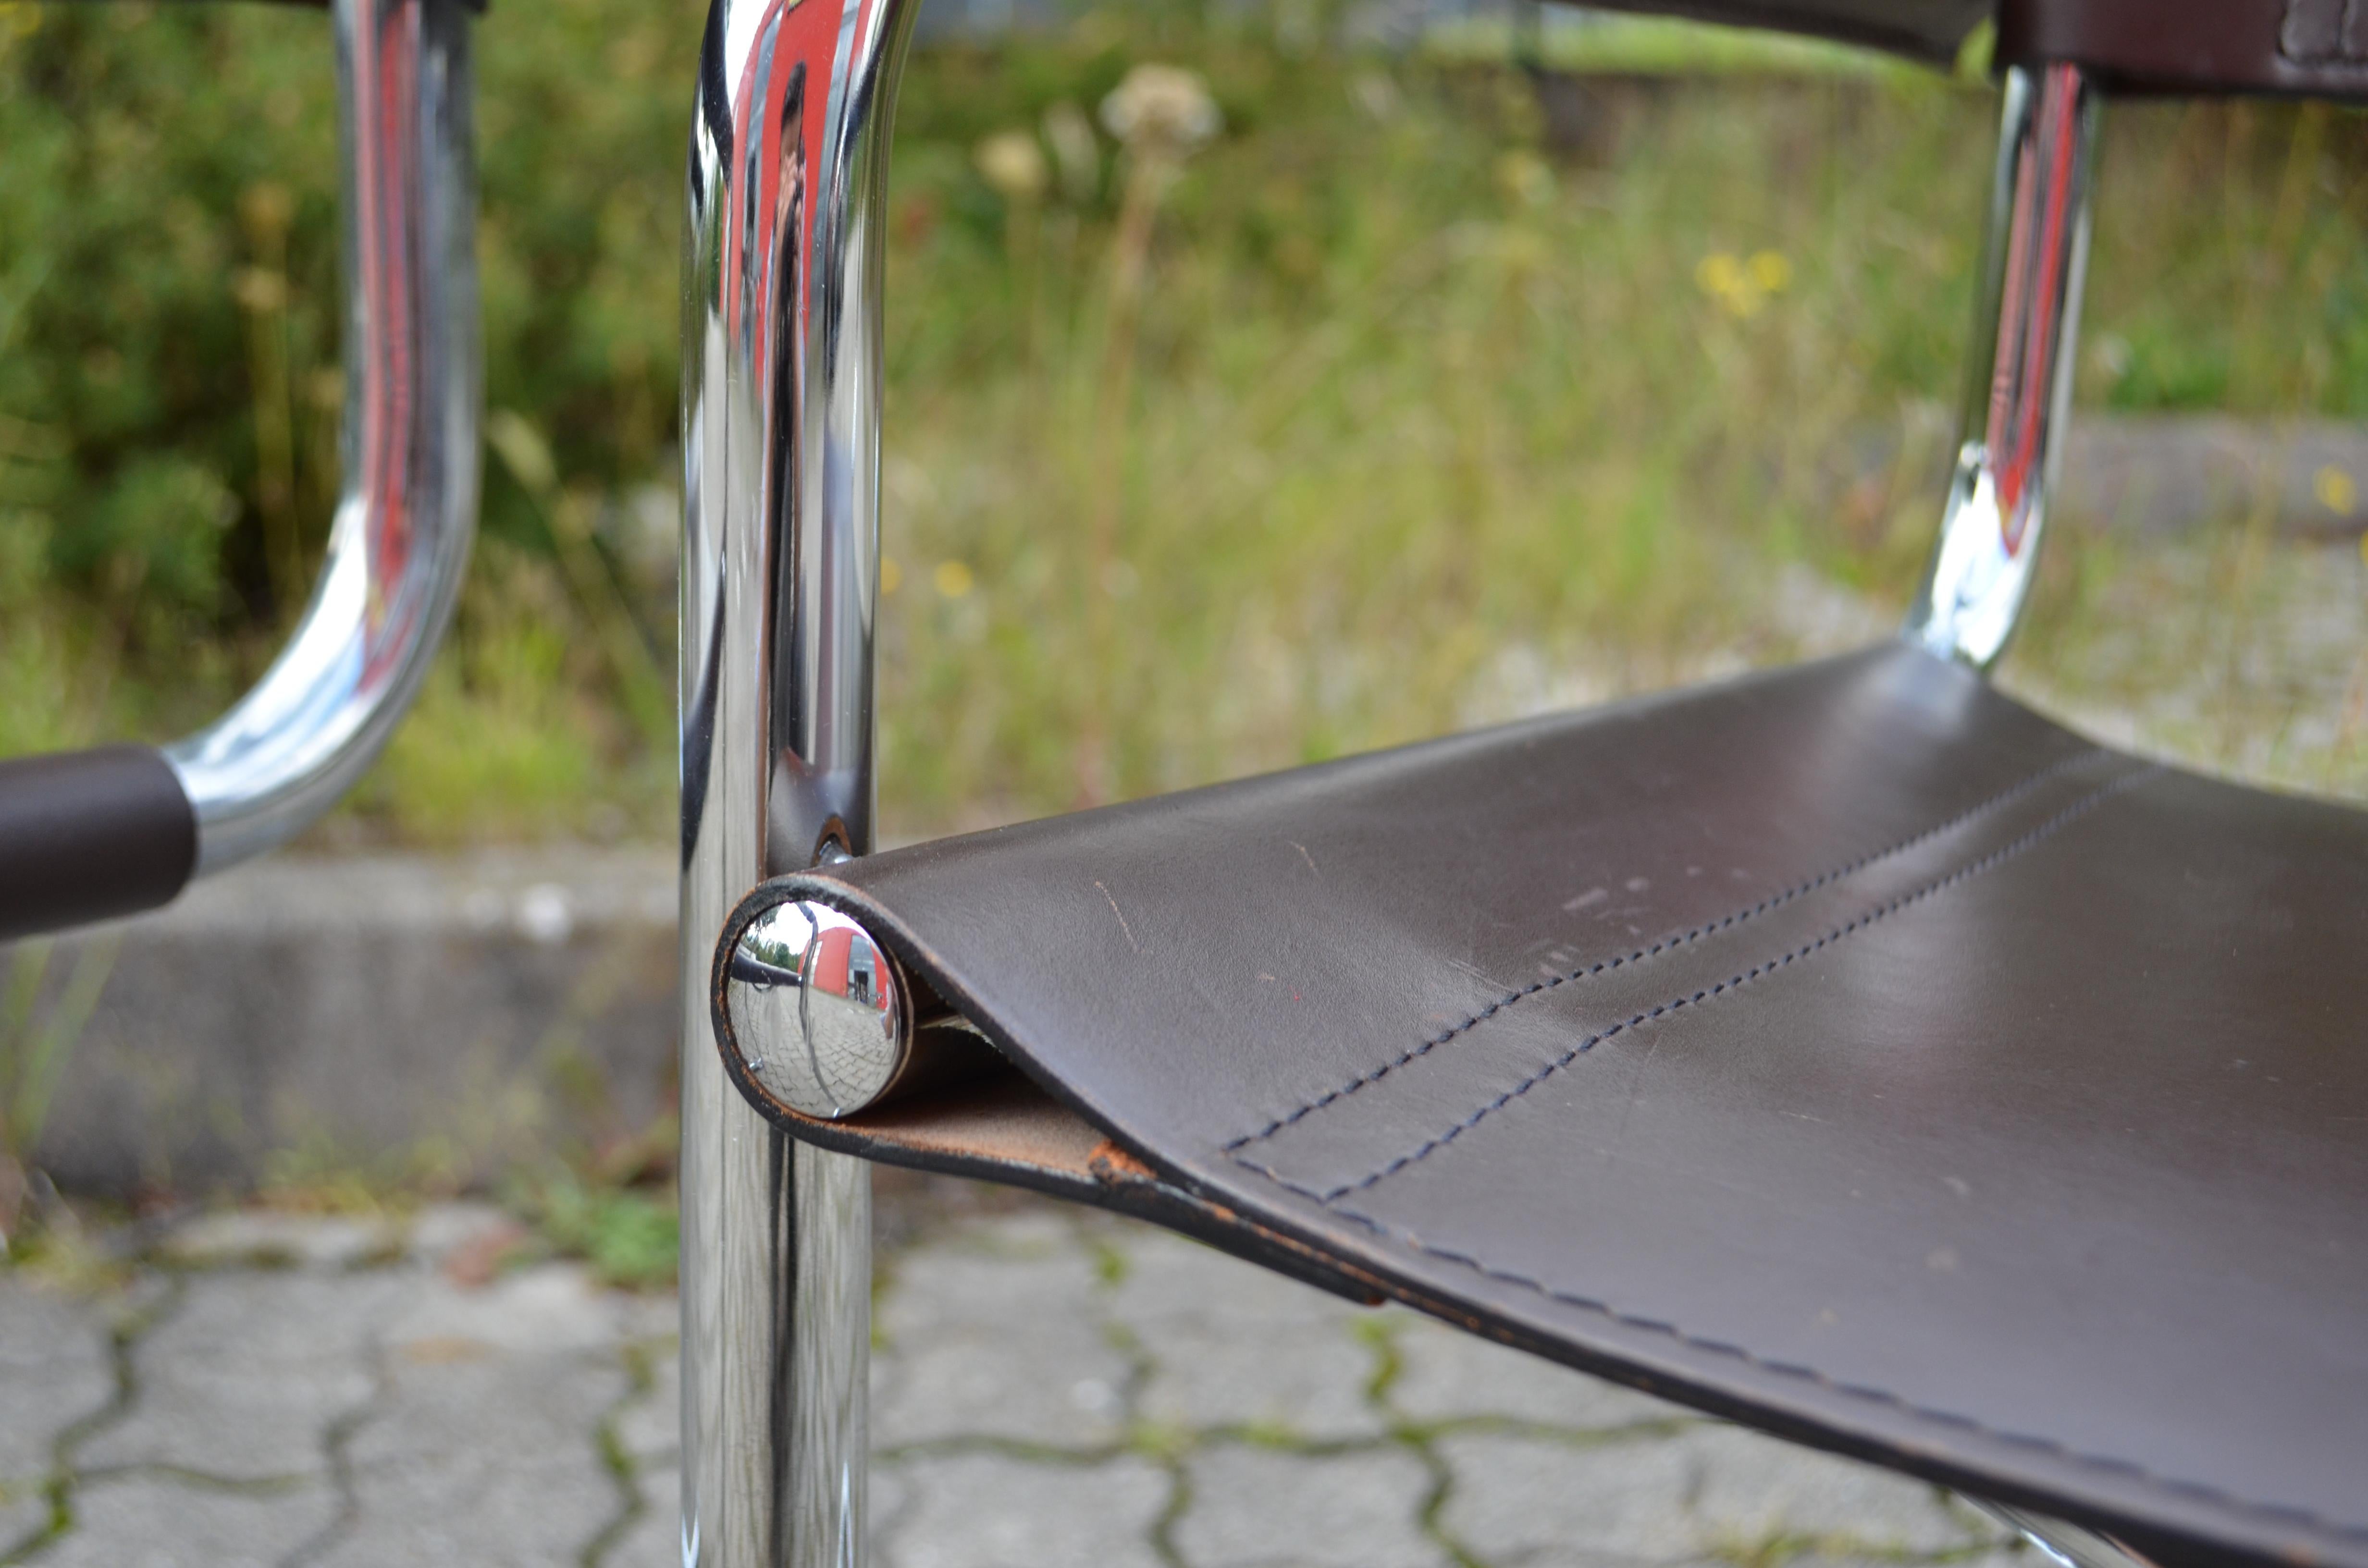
(1663, 46)
(1423, 418)
(629, 1236)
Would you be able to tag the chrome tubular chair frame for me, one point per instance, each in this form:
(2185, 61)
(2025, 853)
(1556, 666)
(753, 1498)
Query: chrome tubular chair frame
(109, 832)
(779, 578)
(782, 327)
(407, 513)
(2019, 381)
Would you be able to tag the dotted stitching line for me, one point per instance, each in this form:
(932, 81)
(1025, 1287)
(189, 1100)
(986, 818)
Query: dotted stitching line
(1667, 944)
(2197, 1491)
(1996, 858)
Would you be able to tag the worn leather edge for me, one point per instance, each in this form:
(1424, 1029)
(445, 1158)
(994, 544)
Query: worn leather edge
(2175, 1523)
(1004, 1126)
(941, 1133)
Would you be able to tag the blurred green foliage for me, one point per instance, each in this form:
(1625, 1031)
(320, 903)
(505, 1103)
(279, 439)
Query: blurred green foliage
(629, 1235)
(1436, 380)
(170, 392)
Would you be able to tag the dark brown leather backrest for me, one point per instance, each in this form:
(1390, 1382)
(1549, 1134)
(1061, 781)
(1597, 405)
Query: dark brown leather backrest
(1928, 29)
(2314, 48)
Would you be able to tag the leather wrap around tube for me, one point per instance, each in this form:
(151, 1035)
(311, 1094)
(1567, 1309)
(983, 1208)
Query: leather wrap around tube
(1846, 1050)
(90, 834)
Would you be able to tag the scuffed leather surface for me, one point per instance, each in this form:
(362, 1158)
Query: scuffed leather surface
(1845, 1049)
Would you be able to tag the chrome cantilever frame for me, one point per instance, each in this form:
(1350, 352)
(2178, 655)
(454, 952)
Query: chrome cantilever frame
(2018, 392)
(781, 431)
(779, 579)
(399, 547)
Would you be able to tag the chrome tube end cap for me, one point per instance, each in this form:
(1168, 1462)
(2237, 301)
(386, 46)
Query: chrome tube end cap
(818, 1015)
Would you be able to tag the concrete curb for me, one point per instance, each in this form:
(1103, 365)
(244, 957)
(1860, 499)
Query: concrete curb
(409, 1016)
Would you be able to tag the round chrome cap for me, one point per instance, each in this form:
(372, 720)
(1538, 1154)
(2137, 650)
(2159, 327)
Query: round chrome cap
(816, 1012)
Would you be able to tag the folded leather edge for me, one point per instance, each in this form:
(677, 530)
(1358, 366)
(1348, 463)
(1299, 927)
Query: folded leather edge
(1067, 1153)
(2184, 1527)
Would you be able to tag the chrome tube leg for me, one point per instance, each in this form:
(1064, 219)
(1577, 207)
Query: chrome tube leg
(2026, 327)
(779, 579)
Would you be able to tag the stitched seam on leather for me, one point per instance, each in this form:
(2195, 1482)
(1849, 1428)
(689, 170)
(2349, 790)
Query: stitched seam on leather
(2288, 1512)
(1972, 868)
(2135, 1471)
(1667, 944)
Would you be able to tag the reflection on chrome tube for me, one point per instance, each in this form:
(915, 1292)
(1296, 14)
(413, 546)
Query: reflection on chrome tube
(2063, 1543)
(408, 508)
(814, 1010)
(781, 442)
(2025, 328)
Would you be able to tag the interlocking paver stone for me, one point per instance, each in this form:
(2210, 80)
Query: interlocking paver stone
(1715, 1491)
(654, 1537)
(649, 1428)
(23, 1514)
(479, 1456)
(1050, 1390)
(54, 1369)
(1235, 1345)
(1754, 1489)
(1445, 1374)
(439, 1229)
(1254, 1508)
(995, 1334)
(155, 1522)
(991, 1511)
(262, 1237)
(547, 1310)
(1549, 1504)
(242, 1377)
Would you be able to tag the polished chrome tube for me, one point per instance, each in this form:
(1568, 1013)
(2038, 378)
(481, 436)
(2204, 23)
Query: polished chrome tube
(815, 1018)
(814, 1007)
(2026, 326)
(780, 580)
(408, 508)
(2064, 1542)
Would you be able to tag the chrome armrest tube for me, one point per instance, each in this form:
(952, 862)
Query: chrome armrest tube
(2026, 327)
(407, 511)
(779, 578)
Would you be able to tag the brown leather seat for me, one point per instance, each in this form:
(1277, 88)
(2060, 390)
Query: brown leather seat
(1846, 1049)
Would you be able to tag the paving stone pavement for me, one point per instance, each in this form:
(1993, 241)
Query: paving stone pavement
(1050, 1390)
